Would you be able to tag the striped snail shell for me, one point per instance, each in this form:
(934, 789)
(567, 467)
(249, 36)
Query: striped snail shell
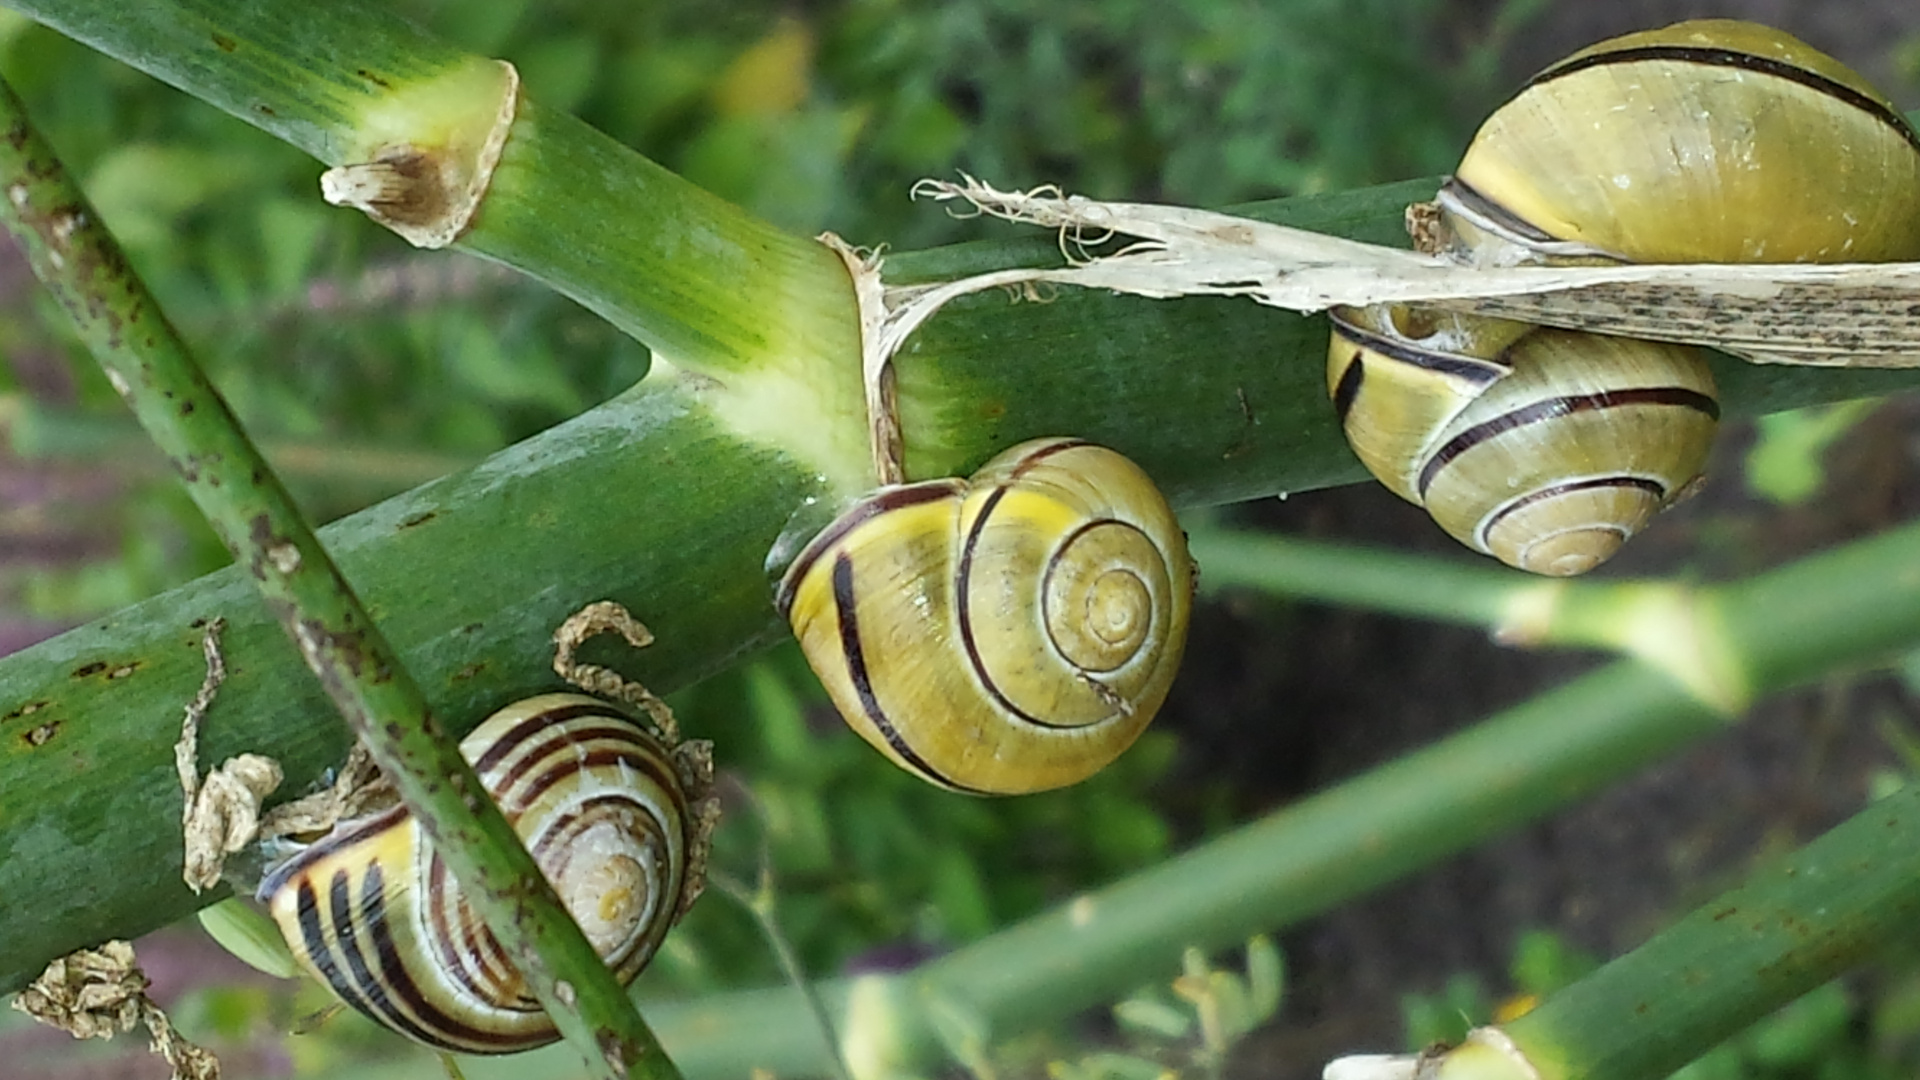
(616, 820)
(1714, 140)
(1706, 141)
(1544, 448)
(1009, 633)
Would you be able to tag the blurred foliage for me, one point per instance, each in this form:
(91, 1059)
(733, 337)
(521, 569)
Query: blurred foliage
(1188, 1028)
(1784, 464)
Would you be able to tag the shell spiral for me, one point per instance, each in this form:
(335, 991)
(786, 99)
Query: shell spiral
(1716, 141)
(604, 808)
(1010, 633)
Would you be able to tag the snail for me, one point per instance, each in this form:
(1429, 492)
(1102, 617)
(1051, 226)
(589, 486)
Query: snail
(1009, 633)
(1706, 141)
(1544, 448)
(1715, 141)
(616, 820)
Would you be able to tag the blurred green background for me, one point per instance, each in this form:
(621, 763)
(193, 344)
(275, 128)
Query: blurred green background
(365, 367)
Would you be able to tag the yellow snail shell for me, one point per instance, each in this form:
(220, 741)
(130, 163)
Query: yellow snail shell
(608, 813)
(1009, 633)
(1544, 448)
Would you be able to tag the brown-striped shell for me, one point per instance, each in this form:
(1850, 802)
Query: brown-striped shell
(1546, 449)
(614, 818)
(1009, 633)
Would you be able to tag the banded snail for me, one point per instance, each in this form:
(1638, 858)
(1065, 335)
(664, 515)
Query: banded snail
(615, 819)
(1544, 448)
(1005, 634)
(1715, 140)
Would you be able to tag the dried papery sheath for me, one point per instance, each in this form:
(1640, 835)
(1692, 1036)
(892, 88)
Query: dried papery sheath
(1848, 314)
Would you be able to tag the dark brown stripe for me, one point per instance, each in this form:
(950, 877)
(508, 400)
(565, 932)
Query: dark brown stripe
(469, 953)
(1475, 370)
(320, 946)
(865, 510)
(342, 837)
(963, 590)
(1730, 58)
(1469, 197)
(534, 725)
(553, 772)
(1035, 457)
(435, 1027)
(844, 601)
(1348, 388)
(1655, 487)
(347, 940)
(1562, 406)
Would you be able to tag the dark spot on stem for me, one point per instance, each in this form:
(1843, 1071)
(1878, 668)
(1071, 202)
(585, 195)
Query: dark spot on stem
(473, 628)
(42, 735)
(469, 671)
(374, 79)
(265, 110)
(186, 408)
(28, 709)
(94, 668)
(224, 43)
(420, 519)
(124, 670)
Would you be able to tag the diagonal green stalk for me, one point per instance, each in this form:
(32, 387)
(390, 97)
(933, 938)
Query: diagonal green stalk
(1838, 902)
(1671, 625)
(79, 262)
(1861, 601)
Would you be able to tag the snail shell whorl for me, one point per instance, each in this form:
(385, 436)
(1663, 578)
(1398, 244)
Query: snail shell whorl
(1007, 634)
(603, 807)
(1707, 141)
(1547, 454)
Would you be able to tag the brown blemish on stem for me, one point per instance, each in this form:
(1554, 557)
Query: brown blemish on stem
(28, 709)
(42, 734)
(85, 670)
(430, 192)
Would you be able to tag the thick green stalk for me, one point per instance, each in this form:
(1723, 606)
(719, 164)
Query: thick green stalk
(1840, 901)
(764, 318)
(251, 511)
(1402, 816)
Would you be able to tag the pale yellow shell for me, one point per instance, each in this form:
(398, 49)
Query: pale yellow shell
(1547, 450)
(1007, 634)
(1706, 141)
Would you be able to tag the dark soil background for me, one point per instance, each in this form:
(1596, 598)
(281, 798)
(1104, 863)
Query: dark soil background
(1342, 691)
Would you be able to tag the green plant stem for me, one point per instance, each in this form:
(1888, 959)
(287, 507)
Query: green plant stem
(1837, 902)
(1333, 846)
(1476, 592)
(79, 262)
(1671, 625)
